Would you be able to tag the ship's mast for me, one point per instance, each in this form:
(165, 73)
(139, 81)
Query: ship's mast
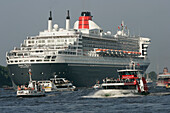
(122, 27)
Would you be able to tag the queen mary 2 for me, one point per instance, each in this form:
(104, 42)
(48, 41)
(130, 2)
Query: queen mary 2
(82, 54)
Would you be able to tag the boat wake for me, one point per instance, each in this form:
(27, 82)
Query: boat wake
(159, 94)
(110, 94)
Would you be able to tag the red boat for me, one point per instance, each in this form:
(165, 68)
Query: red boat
(129, 81)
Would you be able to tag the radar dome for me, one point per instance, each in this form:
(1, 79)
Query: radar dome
(119, 32)
(55, 26)
(109, 33)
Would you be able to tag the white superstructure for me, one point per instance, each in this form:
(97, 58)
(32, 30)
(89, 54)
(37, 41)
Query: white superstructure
(55, 41)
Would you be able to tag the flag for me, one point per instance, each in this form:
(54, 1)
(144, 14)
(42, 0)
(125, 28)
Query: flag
(118, 27)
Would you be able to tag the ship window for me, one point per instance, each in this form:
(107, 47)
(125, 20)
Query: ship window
(79, 47)
(46, 60)
(53, 57)
(80, 39)
(58, 40)
(48, 57)
(11, 61)
(52, 60)
(74, 53)
(41, 41)
(38, 60)
(20, 54)
(32, 60)
(50, 41)
(70, 40)
(41, 51)
(16, 60)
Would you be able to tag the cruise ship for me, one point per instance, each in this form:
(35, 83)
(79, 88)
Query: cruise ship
(83, 54)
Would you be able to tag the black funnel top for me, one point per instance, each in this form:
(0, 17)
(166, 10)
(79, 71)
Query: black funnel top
(50, 18)
(68, 16)
(85, 13)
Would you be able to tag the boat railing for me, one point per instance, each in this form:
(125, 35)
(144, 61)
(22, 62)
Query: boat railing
(118, 81)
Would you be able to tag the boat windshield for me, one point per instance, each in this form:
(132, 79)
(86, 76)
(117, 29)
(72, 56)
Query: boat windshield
(129, 73)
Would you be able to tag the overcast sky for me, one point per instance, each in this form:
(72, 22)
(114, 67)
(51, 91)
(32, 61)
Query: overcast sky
(148, 18)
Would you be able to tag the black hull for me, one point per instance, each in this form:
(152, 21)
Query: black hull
(80, 74)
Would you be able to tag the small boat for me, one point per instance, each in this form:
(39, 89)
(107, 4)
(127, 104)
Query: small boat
(163, 78)
(57, 84)
(130, 81)
(5, 87)
(61, 84)
(148, 80)
(47, 84)
(33, 89)
(97, 85)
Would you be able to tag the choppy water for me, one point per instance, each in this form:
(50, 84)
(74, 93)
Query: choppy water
(157, 102)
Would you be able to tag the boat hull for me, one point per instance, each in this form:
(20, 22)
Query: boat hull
(81, 75)
(29, 93)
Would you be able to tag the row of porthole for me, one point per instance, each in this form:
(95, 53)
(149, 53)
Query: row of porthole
(28, 61)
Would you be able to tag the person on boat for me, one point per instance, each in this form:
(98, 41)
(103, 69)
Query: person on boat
(26, 85)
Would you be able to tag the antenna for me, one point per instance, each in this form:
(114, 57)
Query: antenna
(30, 74)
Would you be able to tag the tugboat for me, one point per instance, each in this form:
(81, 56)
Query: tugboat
(57, 84)
(130, 81)
(33, 89)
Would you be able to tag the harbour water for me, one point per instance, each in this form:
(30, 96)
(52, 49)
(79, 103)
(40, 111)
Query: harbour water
(75, 102)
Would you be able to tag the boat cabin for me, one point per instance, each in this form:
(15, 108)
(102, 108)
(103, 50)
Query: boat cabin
(128, 74)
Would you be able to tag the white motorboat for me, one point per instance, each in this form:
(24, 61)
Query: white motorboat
(57, 84)
(33, 89)
(61, 84)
